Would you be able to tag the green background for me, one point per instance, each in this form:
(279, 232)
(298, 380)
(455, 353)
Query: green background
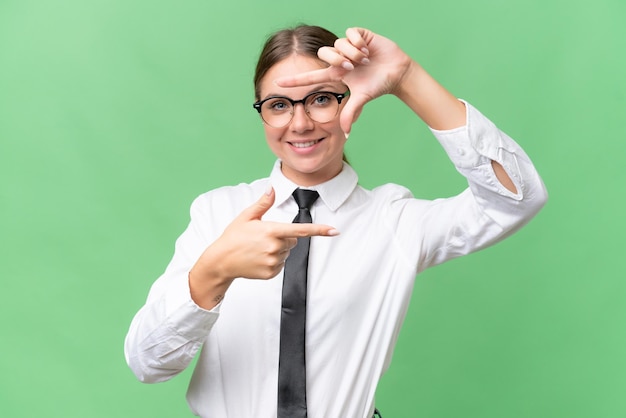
(115, 114)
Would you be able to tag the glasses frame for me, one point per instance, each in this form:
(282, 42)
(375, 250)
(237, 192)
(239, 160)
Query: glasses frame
(259, 104)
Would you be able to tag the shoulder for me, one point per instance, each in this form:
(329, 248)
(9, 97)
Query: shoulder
(393, 200)
(390, 192)
(379, 199)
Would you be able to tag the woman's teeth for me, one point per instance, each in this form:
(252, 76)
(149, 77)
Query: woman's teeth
(304, 144)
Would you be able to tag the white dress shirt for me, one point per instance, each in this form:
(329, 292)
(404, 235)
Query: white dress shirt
(359, 283)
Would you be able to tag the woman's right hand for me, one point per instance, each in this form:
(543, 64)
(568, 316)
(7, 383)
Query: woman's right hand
(248, 248)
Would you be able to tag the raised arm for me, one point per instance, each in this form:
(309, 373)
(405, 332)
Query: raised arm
(371, 66)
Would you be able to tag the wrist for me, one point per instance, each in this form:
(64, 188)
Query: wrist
(207, 286)
(435, 105)
(408, 81)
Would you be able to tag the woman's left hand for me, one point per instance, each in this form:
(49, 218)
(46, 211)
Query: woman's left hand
(369, 64)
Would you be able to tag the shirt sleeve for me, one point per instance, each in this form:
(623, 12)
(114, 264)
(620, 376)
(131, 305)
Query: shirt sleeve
(169, 329)
(486, 212)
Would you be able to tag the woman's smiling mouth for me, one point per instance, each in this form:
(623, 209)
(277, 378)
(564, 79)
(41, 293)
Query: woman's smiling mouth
(306, 144)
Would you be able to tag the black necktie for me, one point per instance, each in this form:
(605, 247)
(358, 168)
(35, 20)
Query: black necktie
(291, 364)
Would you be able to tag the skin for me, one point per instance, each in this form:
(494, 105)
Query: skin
(370, 66)
(249, 248)
(323, 160)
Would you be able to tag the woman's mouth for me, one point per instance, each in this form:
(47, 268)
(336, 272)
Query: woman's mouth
(306, 144)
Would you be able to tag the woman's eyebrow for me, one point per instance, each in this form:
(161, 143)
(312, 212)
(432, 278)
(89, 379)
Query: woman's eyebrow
(319, 87)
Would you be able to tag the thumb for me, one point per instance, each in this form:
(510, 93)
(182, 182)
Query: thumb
(352, 111)
(258, 208)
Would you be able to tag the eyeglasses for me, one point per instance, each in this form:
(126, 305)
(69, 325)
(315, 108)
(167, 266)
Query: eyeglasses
(320, 106)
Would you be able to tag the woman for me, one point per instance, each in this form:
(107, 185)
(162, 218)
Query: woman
(222, 290)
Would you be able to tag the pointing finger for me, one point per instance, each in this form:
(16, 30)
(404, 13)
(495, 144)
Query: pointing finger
(304, 230)
(324, 75)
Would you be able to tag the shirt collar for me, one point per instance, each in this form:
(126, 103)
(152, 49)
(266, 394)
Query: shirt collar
(333, 193)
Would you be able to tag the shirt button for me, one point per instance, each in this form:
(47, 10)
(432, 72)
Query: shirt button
(461, 151)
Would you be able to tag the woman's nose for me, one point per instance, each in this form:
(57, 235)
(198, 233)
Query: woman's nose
(301, 120)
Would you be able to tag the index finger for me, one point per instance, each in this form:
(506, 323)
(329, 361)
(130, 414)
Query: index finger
(298, 230)
(308, 78)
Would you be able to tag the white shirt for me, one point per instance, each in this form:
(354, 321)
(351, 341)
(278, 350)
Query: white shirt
(359, 283)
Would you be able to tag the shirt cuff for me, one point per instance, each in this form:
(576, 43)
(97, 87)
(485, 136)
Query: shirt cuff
(479, 142)
(192, 322)
(473, 144)
(185, 316)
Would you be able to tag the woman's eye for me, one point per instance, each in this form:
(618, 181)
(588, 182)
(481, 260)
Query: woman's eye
(278, 106)
(321, 99)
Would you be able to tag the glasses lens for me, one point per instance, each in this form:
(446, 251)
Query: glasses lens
(322, 107)
(277, 112)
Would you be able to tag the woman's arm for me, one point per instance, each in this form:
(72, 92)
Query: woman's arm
(371, 66)
(438, 108)
(181, 309)
(248, 248)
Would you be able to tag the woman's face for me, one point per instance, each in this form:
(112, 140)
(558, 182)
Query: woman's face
(311, 152)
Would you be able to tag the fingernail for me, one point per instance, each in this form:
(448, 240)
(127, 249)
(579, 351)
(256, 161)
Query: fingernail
(332, 233)
(268, 189)
(347, 134)
(347, 65)
(365, 61)
(365, 51)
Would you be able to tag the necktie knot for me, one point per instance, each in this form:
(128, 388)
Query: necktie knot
(305, 198)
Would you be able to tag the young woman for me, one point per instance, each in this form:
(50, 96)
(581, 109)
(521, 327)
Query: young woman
(222, 291)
